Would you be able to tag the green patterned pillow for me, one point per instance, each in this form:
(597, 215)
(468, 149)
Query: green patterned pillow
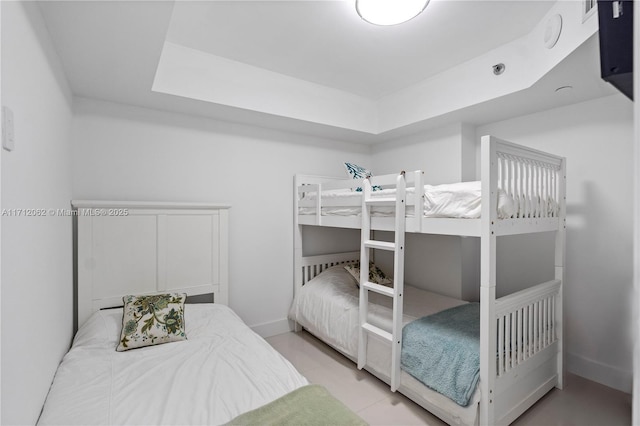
(375, 274)
(151, 320)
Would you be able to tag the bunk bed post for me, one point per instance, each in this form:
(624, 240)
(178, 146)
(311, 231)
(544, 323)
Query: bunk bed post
(418, 199)
(398, 277)
(365, 235)
(560, 252)
(297, 246)
(488, 337)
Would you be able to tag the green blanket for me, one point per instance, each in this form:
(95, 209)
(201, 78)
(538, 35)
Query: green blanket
(443, 351)
(306, 406)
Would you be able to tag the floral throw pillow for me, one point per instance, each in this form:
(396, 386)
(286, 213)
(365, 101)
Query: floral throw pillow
(151, 320)
(376, 275)
(357, 172)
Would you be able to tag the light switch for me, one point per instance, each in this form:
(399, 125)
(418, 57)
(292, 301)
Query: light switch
(8, 135)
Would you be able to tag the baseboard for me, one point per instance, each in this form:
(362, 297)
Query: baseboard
(272, 328)
(607, 375)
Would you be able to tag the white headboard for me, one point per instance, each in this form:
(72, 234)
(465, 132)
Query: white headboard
(126, 247)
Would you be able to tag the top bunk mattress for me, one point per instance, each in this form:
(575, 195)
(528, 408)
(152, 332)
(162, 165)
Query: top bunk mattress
(461, 200)
(223, 369)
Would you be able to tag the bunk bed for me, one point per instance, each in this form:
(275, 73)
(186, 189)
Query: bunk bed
(212, 370)
(522, 191)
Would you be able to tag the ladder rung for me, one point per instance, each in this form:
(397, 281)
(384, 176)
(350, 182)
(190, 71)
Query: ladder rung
(381, 289)
(377, 331)
(381, 201)
(383, 245)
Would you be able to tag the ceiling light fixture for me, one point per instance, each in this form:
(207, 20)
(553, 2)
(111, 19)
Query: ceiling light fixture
(389, 12)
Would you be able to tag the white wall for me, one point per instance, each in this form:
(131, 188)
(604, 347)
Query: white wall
(445, 155)
(597, 139)
(37, 282)
(438, 152)
(127, 153)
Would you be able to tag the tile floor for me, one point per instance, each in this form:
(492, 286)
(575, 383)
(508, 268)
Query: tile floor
(582, 402)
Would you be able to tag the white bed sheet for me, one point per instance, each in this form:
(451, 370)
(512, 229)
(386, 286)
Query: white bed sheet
(327, 306)
(223, 369)
(457, 200)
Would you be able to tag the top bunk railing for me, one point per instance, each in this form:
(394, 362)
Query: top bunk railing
(524, 188)
(310, 191)
(532, 181)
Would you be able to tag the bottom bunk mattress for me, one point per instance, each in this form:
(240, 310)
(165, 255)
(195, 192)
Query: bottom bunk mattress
(222, 370)
(327, 306)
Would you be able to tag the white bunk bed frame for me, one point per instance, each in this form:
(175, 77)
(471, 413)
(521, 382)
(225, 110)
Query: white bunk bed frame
(526, 327)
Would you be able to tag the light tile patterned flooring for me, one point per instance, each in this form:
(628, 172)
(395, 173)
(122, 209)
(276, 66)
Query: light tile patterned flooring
(581, 402)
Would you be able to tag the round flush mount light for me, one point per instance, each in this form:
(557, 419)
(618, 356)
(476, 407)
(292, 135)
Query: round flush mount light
(389, 12)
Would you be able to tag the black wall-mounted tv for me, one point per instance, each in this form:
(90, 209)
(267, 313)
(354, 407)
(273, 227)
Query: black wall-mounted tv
(616, 44)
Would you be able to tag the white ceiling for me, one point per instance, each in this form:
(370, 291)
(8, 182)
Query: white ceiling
(326, 42)
(110, 50)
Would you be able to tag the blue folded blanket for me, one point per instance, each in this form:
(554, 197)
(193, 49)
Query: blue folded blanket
(443, 351)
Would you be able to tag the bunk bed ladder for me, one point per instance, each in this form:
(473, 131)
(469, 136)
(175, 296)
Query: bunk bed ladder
(394, 337)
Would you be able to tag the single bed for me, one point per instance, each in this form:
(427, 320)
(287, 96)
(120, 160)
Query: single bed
(158, 360)
(214, 375)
